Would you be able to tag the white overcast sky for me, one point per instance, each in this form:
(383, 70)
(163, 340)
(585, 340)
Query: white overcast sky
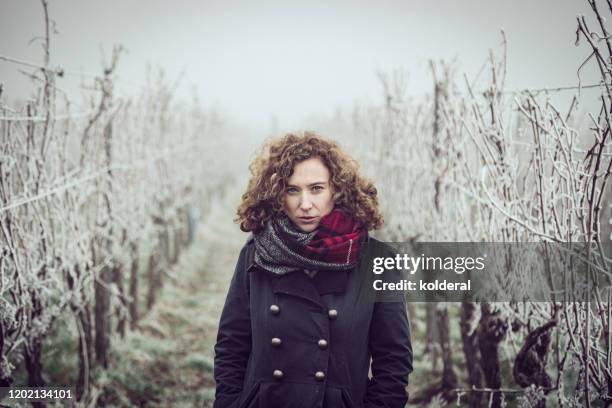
(289, 59)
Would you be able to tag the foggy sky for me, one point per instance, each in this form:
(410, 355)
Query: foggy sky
(287, 59)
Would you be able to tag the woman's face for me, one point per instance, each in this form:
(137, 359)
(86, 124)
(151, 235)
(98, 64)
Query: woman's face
(308, 196)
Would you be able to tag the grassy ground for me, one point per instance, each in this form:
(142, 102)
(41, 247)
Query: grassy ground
(168, 361)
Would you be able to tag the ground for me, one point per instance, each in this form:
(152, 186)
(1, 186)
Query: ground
(168, 361)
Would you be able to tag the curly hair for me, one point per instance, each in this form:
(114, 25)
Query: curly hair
(273, 166)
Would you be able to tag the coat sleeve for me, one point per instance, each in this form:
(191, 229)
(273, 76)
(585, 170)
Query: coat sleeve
(391, 351)
(233, 345)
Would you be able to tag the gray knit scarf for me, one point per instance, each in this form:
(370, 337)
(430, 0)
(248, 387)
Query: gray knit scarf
(276, 245)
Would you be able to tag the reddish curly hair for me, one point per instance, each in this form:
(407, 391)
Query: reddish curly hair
(270, 170)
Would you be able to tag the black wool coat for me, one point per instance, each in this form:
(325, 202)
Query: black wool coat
(295, 342)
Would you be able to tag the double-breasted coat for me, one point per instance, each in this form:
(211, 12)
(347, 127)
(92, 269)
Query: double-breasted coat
(292, 341)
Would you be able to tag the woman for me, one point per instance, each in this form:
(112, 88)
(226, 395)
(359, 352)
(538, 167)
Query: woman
(292, 331)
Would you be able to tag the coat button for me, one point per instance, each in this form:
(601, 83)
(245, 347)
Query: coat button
(276, 342)
(332, 313)
(322, 344)
(274, 309)
(278, 374)
(319, 375)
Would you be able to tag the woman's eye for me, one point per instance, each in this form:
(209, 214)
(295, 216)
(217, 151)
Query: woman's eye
(317, 188)
(292, 190)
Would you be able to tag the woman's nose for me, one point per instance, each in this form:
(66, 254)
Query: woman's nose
(306, 202)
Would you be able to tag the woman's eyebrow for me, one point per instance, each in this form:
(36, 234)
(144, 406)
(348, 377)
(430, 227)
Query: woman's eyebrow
(309, 185)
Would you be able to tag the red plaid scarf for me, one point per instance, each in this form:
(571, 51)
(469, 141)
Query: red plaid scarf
(337, 240)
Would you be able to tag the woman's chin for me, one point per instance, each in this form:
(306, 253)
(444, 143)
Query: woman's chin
(308, 227)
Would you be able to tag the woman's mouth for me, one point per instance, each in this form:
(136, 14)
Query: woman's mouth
(307, 220)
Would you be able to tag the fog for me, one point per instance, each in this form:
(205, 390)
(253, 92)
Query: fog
(270, 65)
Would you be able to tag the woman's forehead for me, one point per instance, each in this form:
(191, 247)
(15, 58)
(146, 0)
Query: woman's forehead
(309, 171)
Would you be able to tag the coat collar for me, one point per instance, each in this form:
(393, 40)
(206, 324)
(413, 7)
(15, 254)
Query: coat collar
(300, 285)
(297, 284)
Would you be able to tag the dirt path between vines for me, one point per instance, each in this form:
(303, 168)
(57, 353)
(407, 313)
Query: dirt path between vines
(168, 362)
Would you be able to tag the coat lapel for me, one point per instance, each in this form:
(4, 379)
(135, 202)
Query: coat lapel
(330, 281)
(297, 284)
